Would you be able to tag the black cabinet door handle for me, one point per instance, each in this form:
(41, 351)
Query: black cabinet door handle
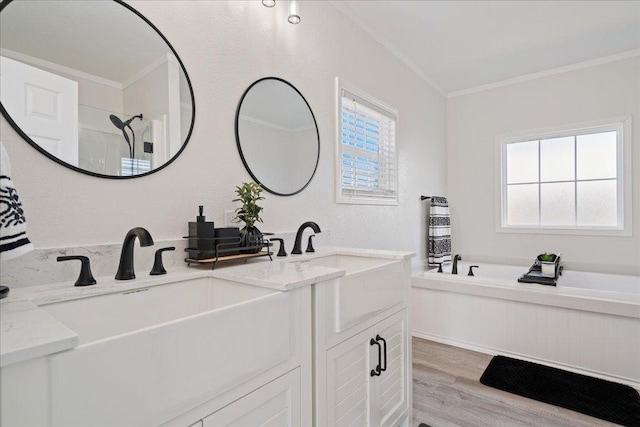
(379, 338)
(376, 372)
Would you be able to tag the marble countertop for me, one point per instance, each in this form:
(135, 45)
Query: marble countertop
(29, 332)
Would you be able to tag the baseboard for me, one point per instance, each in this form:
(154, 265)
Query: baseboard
(494, 351)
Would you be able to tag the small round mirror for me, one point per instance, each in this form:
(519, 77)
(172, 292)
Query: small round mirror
(277, 136)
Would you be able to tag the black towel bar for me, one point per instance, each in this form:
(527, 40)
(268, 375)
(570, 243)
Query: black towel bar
(425, 197)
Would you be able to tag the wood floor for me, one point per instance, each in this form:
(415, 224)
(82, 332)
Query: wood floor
(447, 392)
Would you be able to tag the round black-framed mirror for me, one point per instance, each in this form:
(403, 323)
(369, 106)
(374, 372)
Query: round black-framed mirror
(277, 136)
(114, 87)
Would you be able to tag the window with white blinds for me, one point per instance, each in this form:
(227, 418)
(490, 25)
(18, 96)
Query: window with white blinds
(367, 158)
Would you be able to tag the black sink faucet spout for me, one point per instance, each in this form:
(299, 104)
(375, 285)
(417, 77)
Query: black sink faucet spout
(454, 269)
(125, 269)
(297, 247)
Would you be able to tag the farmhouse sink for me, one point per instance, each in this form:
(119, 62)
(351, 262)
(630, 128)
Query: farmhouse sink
(371, 284)
(349, 263)
(148, 355)
(110, 315)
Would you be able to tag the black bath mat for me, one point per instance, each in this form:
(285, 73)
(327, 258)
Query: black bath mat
(602, 399)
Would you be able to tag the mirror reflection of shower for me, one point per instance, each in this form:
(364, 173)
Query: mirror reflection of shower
(104, 148)
(131, 165)
(122, 125)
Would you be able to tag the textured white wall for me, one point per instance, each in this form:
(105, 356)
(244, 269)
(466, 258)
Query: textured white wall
(473, 121)
(226, 46)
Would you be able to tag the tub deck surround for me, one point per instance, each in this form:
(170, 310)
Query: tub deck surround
(29, 332)
(596, 292)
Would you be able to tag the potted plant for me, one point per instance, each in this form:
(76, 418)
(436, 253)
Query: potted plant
(249, 194)
(548, 264)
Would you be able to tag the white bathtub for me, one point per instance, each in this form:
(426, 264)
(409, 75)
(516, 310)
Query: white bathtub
(589, 323)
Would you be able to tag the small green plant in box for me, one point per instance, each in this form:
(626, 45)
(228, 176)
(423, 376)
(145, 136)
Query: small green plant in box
(545, 257)
(548, 264)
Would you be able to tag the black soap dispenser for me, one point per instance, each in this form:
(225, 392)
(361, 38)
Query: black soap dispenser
(201, 237)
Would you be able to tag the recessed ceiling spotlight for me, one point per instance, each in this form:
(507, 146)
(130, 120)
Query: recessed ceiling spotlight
(294, 12)
(269, 3)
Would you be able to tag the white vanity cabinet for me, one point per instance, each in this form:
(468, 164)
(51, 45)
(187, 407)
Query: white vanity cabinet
(367, 381)
(274, 404)
(363, 368)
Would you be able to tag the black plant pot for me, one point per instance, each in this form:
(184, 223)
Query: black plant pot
(251, 236)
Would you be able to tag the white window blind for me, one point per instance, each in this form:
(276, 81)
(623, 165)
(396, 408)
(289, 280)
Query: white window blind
(368, 171)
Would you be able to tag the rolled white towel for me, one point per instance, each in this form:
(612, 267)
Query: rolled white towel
(13, 225)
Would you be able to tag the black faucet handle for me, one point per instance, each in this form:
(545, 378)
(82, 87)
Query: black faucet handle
(471, 270)
(281, 249)
(310, 244)
(85, 278)
(158, 267)
(439, 267)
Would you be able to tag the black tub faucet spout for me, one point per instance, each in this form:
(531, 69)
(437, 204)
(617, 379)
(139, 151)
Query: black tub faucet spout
(125, 269)
(454, 269)
(297, 247)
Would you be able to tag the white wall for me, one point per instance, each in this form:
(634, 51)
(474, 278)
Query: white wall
(473, 121)
(226, 46)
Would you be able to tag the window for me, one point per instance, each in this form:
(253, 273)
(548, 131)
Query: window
(574, 178)
(366, 170)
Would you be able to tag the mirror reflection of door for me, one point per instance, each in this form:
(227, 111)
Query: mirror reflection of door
(133, 100)
(44, 105)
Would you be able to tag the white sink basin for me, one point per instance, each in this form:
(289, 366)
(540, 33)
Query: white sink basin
(370, 285)
(110, 315)
(350, 263)
(149, 355)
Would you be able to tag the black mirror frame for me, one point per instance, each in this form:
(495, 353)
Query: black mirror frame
(244, 161)
(24, 136)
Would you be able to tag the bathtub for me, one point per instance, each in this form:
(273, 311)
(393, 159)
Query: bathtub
(589, 323)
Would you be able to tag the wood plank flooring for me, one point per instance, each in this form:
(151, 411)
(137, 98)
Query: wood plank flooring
(447, 392)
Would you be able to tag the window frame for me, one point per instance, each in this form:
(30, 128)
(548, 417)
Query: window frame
(622, 125)
(371, 199)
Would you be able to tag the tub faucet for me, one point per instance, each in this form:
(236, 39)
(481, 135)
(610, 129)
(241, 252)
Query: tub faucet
(125, 269)
(454, 269)
(297, 247)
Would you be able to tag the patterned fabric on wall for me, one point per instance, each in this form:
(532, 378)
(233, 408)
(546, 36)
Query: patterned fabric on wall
(439, 231)
(13, 232)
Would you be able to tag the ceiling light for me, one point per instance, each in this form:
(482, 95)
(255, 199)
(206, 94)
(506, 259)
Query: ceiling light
(294, 12)
(269, 3)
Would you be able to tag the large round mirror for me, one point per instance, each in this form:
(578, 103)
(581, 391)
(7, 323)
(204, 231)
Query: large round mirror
(94, 86)
(277, 136)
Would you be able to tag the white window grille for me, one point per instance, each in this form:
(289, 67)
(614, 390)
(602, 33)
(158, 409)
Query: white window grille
(367, 163)
(573, 179)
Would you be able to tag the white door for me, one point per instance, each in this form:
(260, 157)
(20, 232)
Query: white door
(44, 105)
(349, 381)
(392, 386)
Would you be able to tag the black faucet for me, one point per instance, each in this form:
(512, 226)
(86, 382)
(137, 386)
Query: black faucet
(297, 247)
(125, 269)
(456, 258)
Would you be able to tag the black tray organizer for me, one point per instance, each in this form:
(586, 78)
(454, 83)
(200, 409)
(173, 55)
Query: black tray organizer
(221, 249)
(534, 275)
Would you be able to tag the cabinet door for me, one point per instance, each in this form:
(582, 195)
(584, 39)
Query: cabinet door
(349, 381)
(392, 399)
(274, 404)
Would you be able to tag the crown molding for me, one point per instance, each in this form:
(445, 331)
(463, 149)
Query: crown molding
(52, 66)
(275, 126)
(533, 76)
